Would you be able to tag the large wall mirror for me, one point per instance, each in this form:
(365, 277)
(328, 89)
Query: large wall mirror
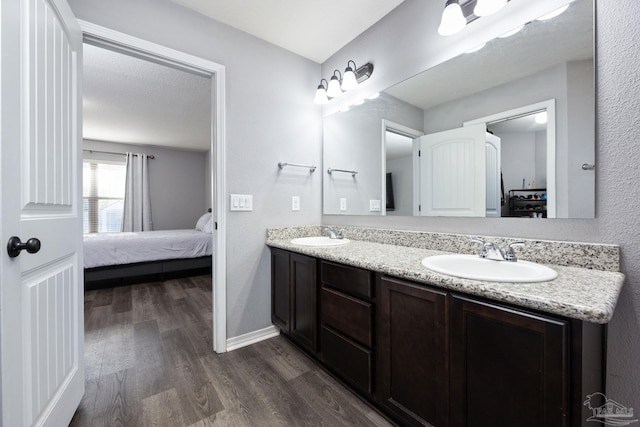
(506, 131)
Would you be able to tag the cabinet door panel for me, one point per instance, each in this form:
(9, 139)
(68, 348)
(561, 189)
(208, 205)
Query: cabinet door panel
(280, 290)
(413, 352)
(348, 315)
(350, 360)
(507, 366)
(304, 301)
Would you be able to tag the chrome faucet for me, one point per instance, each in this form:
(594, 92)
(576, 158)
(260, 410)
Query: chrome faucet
(491, 251)
(333, 233)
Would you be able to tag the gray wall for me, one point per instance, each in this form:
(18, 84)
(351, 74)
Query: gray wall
(353, 141)
(176, 182)
(270, 117)
(617, 125)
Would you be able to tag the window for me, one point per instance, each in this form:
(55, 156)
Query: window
(102, 196)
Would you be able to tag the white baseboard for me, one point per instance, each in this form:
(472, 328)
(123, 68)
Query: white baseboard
(252, 338)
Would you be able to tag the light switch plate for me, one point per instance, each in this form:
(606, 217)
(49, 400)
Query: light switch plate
(295, 203)
(241, 202)
(343, 204)
(374, 205)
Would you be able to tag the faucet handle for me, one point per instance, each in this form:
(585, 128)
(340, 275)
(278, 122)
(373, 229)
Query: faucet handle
(483, 251)
(509, 253)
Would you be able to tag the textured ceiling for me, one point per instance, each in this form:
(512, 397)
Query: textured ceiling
(130, 100)
(311, 28)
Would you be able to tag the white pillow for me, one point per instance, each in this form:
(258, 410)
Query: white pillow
(202, 221)
(208, 227)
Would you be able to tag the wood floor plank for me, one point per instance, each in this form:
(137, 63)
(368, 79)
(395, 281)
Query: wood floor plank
(84, 413)
(103, 297)
(162, 410)
(150, 360)
(142, 304)
(253, 380)
(198, 398)
(116, 402)
(194, 326)
(163, 307)
(119, 350)
(335, 407)
(154, 365)
(122, 301)
(287, 360)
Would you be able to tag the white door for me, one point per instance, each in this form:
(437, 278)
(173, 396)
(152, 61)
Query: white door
(453, 172)
(494, 182)
(40, 146)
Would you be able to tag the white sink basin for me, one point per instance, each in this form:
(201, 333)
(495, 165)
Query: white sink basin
(474, 267)
(319, 241)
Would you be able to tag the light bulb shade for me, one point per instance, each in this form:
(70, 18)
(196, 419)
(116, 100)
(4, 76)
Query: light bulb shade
(488, 7)
(453, 20)
(334, 87)
(321, 96)
(349, 79)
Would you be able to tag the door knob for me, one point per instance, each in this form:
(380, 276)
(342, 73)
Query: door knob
(15, 246)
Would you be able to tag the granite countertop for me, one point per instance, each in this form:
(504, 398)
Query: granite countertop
(579, 293)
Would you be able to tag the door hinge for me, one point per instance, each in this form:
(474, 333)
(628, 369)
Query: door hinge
(419, 208)
(419, 153)
(215, 225)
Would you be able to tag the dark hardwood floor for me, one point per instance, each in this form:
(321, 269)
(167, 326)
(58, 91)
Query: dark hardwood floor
(149, 362)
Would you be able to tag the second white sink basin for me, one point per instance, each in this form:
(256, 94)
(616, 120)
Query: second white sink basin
(319, 241)
(474, 267)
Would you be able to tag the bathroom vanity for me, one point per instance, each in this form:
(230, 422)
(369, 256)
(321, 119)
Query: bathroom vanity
(431, 349)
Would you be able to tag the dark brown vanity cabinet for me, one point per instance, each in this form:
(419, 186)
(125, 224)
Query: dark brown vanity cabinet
(413, 354)
(346, 323)
(507, 366)
(294, 297)
(427, 356)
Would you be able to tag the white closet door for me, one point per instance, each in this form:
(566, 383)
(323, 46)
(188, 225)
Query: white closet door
(42, 293)
(453, 173)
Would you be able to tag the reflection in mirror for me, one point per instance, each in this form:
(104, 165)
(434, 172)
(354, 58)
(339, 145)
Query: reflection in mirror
(548, 61)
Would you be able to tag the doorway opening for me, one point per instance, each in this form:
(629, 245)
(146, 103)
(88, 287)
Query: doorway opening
(125, 44)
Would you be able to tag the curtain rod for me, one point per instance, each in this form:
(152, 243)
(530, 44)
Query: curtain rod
(150, 156)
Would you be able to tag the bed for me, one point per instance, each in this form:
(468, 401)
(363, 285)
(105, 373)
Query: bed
(130, 257)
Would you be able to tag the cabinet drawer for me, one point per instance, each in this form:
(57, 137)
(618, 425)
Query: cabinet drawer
(349, 279)
(351, 361)
(347, 315)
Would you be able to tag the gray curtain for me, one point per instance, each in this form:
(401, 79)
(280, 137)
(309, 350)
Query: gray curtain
(137, 205)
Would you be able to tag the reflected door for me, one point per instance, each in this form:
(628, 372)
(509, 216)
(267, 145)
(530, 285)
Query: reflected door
(452, 173)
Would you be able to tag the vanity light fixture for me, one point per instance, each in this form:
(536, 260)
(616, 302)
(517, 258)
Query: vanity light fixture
(488, 7)
(321, 94)
(453, 20)
(334, 89)
(338, 83)
(349, 80)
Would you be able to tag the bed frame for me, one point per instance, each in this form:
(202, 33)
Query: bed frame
(126, 274)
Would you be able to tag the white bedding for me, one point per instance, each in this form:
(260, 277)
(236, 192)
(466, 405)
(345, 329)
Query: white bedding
(102, 249)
